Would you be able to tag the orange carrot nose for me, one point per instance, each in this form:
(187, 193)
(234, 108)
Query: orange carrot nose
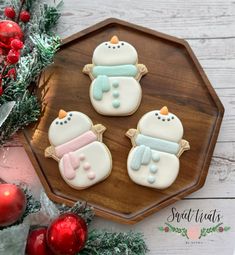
(164, 110)
(62, 114)
(114, 40)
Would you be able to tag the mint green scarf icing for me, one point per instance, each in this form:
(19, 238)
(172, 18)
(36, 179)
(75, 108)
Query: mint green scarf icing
(113, 71)
(143, 153)
(157, 144)
(101, 85)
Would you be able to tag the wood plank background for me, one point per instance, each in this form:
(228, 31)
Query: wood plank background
(209, 27)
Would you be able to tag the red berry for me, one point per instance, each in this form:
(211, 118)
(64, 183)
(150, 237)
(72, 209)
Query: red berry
(24, 16)
(10, 12)
(166, 229)
(17, 44)
(12, 73)
(1, 90)
(221, 229)
(13, 57)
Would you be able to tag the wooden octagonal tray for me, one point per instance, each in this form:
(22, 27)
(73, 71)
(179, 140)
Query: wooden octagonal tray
(175, 79)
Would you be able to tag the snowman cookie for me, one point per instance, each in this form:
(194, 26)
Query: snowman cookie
(77, 146)
(157, 145)
(115, 75)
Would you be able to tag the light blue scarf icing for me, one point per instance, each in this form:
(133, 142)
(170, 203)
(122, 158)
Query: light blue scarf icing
(102, 84)
(143, 153)
(157, 144)
(112, 71)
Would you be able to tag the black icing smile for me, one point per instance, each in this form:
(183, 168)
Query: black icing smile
(163, 118)
(117, 46)
(67, 119)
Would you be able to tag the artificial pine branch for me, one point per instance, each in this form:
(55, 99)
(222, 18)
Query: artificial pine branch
(106, 243)
(40, 48)
(79, 208)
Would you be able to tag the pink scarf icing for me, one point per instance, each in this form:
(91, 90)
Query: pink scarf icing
(66, 153)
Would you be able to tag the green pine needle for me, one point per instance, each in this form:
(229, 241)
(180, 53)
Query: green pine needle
(40, 48)
(106, 243)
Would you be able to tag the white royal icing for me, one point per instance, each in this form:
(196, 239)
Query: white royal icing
(71, 127)
(115, 60)
(94, 162)
(163, 131)
(129, 95)
(99, 161)
(108, 54)
(152, 124)
(164, 172)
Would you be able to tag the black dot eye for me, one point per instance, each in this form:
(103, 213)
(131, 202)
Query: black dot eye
(69, 118)
(159, 117)
(65, 121)
(168, 119)
(114, 47)
(118, 46)
(156, 114)
(163, 119)
(70, 114)
(61, 123)
(122, 43)
(57, 122)
(106, 43)
(172, 117)
(109, 46)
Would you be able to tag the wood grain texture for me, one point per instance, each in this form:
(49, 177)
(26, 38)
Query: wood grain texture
(186, 19)
(175, 79)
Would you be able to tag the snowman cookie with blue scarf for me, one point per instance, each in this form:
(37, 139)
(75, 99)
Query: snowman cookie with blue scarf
(157, 145)
(115, 73)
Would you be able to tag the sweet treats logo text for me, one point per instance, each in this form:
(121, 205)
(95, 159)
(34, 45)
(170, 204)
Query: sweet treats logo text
(197, 223)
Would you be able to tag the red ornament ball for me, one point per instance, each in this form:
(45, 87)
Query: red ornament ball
(12, 204)
(13, 57)
(17, 44)
(24, 16)
(67, 234)
(10, 12)
(36, 242)
(9, 31)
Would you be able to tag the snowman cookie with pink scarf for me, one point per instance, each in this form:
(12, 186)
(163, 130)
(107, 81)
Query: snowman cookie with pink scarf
(76, 144)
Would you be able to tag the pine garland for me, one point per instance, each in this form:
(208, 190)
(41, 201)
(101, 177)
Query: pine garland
(40, 48)
(79, 208)
(106, 243)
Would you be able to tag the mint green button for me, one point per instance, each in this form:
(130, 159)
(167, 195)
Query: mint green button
(151, 179)
(115, 93)
(115, 84)
(116, 103)
(153, 168)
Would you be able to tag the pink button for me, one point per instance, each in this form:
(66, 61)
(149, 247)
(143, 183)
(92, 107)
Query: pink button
(82, 157)
(86, 166)
(91, 175)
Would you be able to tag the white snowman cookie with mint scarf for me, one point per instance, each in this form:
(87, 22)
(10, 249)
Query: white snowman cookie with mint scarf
(115, 73)
(157, 145)
(77, 146)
